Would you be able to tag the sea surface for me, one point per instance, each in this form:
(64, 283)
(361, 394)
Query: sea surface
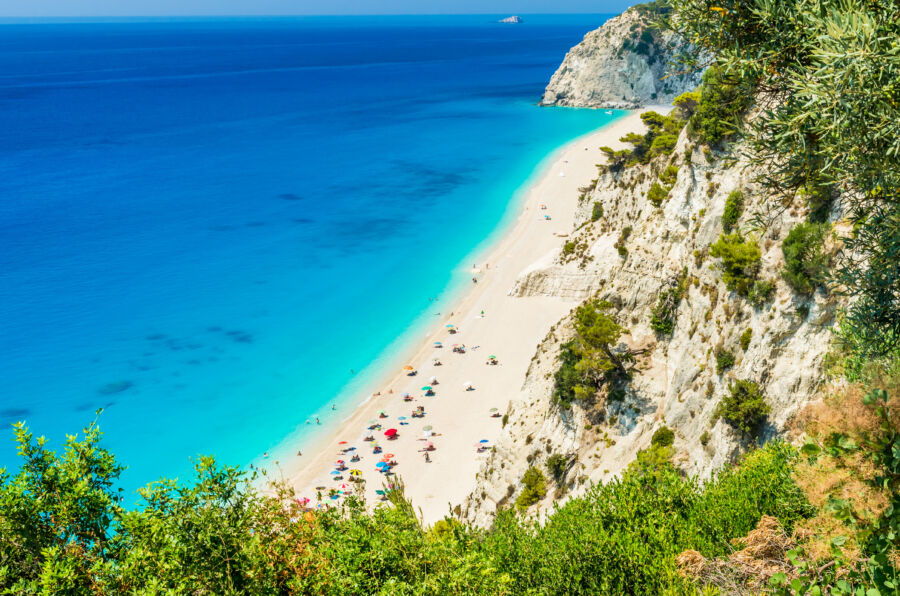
(216, 229)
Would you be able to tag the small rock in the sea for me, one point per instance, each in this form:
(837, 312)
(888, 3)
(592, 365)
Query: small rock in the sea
(116, 387)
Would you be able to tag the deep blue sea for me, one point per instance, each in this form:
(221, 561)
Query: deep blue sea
(206, 225)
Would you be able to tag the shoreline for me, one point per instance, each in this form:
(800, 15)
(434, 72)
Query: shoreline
(509, 329)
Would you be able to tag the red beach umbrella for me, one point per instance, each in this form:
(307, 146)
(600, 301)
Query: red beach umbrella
(342, 442)
(390, 432)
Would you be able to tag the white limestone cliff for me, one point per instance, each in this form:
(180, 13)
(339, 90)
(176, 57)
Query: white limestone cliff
(626, 63)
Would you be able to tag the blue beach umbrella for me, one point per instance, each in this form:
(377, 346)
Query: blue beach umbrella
(334, 472)
(483, 441)
(381, 464)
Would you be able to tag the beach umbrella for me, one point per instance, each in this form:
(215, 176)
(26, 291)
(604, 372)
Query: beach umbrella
(405, 394)
(492, 410)
(449, 326)
(334, 472)
(484, 441)
(435, 359)
(382, 464)
(467, 384)
(382, 412)
(342, 442)
(408, 367)
(437, 343)
(402, 418)
(429, 445)
(340, 461)
(355, 472)
(390, 432)
(492, 357)
(426, 388)
(379, 492)
(429, 427)
(389, 455)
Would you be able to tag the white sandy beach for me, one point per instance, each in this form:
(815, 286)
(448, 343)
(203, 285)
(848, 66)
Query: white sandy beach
(511, 328)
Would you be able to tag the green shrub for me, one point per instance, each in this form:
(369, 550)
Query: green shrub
(663, 144)
(657, 194)
(724, 360)
(704, 438)
(734, 206)
(534, 489)
(686, 103)
(745, 338)
(740, 261)
(744, 407)
(805, 261)
(761, 292)
(596, 212)
(557, 465)
(723, 100)
(620, 243)
(568, 247)
(663, 437)
(669, 176)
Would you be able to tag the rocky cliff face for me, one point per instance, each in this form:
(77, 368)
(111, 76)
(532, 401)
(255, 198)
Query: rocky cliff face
(623, 64)
(677, 383)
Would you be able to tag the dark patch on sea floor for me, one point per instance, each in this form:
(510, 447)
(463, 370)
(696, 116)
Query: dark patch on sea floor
(10, 415)
(289, 196)
(115, 387)
(302, 220)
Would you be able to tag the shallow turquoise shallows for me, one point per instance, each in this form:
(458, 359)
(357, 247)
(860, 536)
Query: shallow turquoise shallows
(215, 229)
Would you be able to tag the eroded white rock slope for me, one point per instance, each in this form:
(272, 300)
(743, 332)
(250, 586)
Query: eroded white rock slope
(677, 384)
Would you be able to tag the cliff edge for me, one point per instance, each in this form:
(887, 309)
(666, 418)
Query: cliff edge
(624, 64)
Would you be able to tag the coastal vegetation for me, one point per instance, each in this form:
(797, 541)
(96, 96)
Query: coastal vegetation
(67, 530)
(591, 360)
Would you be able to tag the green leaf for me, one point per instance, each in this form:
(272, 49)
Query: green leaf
(778, 579)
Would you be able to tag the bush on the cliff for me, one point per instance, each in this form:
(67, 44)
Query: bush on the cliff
(744, 407)
(740, 263)
(724, 97)
(734, 206)
(657, 194)
(534, 488)
(805, 261)
(589, 360)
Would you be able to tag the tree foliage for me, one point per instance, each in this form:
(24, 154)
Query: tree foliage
(591, 359)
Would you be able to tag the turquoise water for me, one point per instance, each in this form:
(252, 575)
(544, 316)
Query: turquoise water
(211, 227)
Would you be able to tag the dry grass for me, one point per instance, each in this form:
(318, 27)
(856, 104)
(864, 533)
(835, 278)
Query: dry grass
(746, 571)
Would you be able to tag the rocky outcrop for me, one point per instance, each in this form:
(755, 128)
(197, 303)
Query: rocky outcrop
(626, 63)
(677, 383)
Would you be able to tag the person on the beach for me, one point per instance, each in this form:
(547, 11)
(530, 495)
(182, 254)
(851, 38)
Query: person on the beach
(299, 453)
(333, 407)
(318, 421)
(427, 457)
